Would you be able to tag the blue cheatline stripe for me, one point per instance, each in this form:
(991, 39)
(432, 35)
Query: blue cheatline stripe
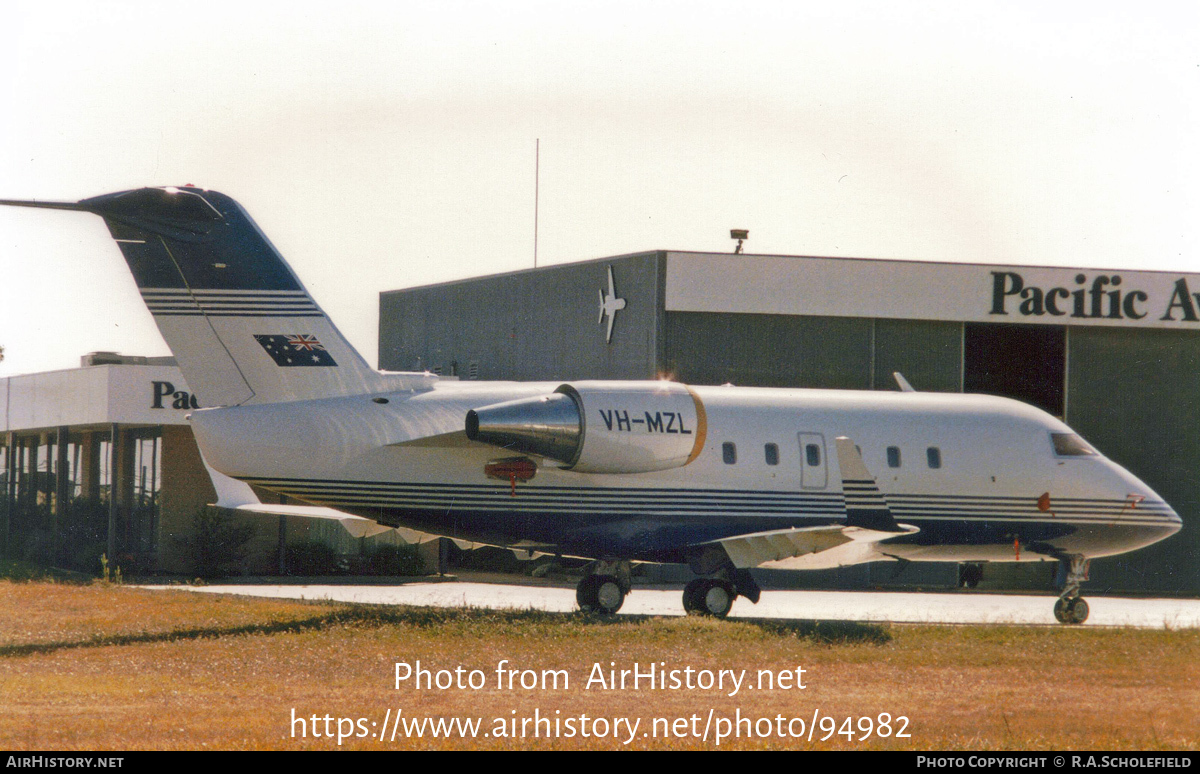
(467, 497)
(170, 302)
(236, 314)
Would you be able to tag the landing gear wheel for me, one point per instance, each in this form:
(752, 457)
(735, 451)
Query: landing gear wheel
(609, 596)
(1078, 610)
(692, 595)
(585, 594)
(1060, 611)
(709, 596)
(600, 594)
(1071, 611)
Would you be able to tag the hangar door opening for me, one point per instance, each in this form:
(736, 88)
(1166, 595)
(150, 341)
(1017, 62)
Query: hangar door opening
(1026, 362)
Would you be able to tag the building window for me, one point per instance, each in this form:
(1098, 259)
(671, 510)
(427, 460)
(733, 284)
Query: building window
(473, 370)
(772, 453)
(147, 490)
(729, 453)
(812, 455)
(934, 455)
(893, 456)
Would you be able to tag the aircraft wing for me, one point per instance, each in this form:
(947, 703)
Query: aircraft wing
(869, 520)
(810, 548)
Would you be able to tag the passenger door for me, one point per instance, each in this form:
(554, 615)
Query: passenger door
(813, 473)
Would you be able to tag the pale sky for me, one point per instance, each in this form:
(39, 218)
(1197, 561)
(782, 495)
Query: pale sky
(388, 145)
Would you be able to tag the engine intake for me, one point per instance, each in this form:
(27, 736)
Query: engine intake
(599, 427)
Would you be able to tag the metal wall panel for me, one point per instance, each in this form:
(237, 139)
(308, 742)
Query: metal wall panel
(541, 324)
(927, 353)
(1134, 394)
(760, 350)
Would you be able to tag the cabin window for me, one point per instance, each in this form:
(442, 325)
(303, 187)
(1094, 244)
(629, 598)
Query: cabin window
(893, 456)
(1071, 445)
(729, 453)
(772, 454)
(812, 455)
(934, 455)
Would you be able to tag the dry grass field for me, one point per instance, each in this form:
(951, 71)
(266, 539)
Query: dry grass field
(114, 668)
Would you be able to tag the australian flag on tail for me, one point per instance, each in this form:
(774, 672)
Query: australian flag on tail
(296, 349)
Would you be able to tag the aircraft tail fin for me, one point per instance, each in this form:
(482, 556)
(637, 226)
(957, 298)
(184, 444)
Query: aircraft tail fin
(240, 324)
(865, 506)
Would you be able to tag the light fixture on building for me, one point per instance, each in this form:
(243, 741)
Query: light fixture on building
(741, 235)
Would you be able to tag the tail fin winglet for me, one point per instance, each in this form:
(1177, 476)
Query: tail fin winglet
(865, 505)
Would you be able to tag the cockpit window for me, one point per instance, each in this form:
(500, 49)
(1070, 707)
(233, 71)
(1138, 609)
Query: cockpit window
(1071, 445)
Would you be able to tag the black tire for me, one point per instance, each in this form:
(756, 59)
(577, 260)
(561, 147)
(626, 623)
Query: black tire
(708, 596)
(693, 593)
(1060, 610)
(586, 594)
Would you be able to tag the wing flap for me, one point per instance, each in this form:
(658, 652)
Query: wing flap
(810, 547)
(764, 547)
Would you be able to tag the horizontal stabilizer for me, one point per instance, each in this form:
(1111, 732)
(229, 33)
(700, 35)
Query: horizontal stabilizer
(44, 205)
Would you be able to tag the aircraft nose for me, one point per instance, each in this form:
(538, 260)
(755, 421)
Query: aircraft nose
(1176, 520)
(1160, 515)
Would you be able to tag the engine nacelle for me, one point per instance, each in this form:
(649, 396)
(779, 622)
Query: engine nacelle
(600, 427)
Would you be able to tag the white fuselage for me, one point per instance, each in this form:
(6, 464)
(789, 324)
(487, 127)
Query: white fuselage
(978, 475)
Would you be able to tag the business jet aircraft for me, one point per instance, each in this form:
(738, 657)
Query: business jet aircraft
(721, 478)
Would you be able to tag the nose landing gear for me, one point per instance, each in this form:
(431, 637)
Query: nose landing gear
(1071, 611)
(1070, 607)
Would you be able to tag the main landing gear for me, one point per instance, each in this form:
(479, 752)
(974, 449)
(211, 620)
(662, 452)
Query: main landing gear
(709, 596)
(1070, 607)
(714, 596)
(969, 574)
(603, 590)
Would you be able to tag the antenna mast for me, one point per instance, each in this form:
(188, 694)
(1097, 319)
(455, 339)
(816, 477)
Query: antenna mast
(537, 158)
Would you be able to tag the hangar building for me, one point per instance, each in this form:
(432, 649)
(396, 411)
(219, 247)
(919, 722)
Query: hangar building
(100, 460)
(1114, 353)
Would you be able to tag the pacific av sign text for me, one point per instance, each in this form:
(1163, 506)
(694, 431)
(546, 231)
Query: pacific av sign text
(1100, 296)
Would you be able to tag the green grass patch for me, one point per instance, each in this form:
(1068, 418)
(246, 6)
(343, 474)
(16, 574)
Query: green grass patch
(108, 667)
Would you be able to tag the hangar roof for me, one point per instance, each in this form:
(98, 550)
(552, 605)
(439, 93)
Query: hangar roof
(904, 289)
(921, 290)
(95, 395)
